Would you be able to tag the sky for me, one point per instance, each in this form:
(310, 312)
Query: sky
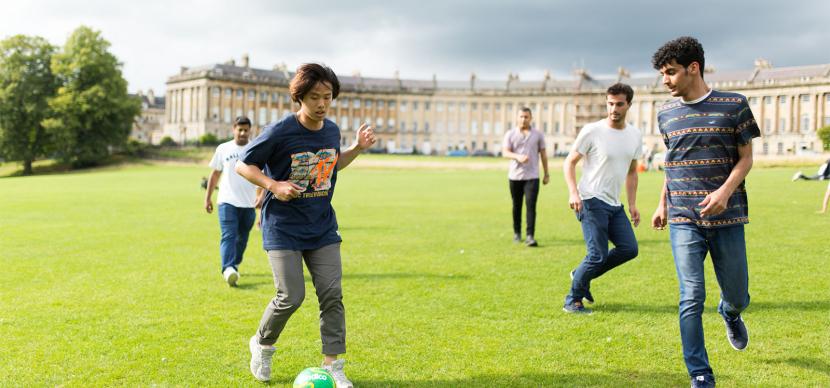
(451, 39)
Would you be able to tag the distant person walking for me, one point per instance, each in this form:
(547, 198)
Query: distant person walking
(525, 145)
(237, 199)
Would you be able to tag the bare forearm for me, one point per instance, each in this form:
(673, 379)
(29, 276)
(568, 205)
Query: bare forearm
(544, 157)
(505, 153)
(738, 174)
(570, 175)
(663, 192)
(348, 156)
(631, 182)
(254, 175)
(211, 183)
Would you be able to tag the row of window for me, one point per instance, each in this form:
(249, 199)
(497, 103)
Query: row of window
(782, 100)
(252, 94)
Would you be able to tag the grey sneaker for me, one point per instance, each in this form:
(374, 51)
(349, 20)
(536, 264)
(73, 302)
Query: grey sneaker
(530, 241)
(576, 308)
(260, 360)
(704, 381)
(588, 297)
(517, 238)
(336, 370)
(736, 332)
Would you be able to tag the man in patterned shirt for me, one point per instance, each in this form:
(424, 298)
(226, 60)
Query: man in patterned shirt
(708, 135)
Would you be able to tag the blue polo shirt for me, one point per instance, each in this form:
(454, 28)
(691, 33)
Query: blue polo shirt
(702, 139)
(287, 151)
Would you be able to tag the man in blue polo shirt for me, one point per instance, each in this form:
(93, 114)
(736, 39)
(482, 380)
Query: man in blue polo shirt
(708, 135)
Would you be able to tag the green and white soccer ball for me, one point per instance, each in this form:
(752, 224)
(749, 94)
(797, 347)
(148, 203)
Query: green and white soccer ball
(314, 378)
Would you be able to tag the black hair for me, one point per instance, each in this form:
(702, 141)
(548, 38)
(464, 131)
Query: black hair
(684, 50)
(308, 75)
(621, 88)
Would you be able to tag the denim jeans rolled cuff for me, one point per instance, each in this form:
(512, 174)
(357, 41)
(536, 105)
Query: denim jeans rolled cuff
(235, 224)
(601, 223)
(727, 248)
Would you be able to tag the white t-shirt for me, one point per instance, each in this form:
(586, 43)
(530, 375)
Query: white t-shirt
(607, 155)
(233, 189)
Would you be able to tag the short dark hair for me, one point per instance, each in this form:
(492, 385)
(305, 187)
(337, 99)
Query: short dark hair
(621, 88)
(241, 120)
(308, 75)
(684, 50)
(526, 109)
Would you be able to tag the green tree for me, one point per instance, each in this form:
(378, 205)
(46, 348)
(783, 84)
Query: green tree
(93, 112)
(824, 135)
(26, 85)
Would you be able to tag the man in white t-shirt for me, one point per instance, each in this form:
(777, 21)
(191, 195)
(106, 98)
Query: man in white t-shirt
(237, 200)
(610, 148)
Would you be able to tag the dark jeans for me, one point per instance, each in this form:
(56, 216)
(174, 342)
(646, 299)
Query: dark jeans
(727, 248)
(530, 190)
(601, 222)
(235, 224)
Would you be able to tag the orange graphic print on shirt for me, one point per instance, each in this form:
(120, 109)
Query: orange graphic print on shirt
(313, 170)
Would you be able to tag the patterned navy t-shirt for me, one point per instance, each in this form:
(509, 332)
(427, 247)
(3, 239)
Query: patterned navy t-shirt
(702, 140)
(287, 151)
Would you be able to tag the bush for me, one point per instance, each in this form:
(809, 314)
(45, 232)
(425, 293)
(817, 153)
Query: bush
(824, 135)
(208, 139)
(167, 141)
(135, 147)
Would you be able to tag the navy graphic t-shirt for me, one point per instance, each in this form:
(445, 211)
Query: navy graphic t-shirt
(702, 141)
(287, 151)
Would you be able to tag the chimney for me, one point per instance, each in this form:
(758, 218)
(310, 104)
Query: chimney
(151, 96)
(762, 63)
(245, 61)
(473, 81)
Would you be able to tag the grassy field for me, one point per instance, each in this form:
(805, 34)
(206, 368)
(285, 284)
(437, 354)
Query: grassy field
(111, 278)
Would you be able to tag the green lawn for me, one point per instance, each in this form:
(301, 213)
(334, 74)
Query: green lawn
(111, 277)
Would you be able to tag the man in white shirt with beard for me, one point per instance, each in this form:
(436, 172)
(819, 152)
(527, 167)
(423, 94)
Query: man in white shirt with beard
(611, 149)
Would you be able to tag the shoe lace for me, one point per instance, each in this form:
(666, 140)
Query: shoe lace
(337, 371)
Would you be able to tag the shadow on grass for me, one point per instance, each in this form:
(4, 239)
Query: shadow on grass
(816, 305)
(255, 284)
(814, 364)
(587, 379)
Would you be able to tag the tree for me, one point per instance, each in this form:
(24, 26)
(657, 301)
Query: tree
(824, 135)
(93, 112)
(26, 85)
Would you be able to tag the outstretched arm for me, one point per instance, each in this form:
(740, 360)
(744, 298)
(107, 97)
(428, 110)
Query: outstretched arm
(569, 168)
(365, 138)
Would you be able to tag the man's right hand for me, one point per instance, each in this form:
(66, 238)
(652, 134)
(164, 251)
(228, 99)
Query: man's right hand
(285, 190)
(659, 219)
(521, 158)
(575, 202)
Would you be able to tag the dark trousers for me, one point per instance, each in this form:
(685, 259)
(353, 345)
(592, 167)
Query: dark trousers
(528, 189)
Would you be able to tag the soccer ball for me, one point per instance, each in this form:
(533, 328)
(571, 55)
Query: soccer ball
(314, 378)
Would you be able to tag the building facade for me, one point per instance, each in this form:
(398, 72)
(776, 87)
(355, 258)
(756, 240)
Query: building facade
(149, 126)
(436, 116)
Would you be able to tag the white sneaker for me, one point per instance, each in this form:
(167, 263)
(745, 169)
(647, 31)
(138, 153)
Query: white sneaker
(261, 360)
(231, 276)
(336, 370)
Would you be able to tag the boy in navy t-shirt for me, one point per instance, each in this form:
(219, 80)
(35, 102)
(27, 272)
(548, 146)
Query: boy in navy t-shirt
(296, 161)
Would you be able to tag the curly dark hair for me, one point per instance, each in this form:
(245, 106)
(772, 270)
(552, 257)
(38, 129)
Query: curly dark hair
(684, 50)
(621, 88)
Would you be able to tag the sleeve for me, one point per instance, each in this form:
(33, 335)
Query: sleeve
(583, 143)
(216, 161)
(507, 143)
(746, 128)
(259, 151)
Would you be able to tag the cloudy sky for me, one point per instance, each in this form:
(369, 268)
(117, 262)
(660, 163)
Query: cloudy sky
(153, 38)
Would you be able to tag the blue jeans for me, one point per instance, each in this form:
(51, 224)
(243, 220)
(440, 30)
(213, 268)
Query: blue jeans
(235, 224)
(727, 247)
(601, 222)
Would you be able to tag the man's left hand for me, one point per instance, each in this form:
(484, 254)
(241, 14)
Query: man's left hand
(714, 203)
